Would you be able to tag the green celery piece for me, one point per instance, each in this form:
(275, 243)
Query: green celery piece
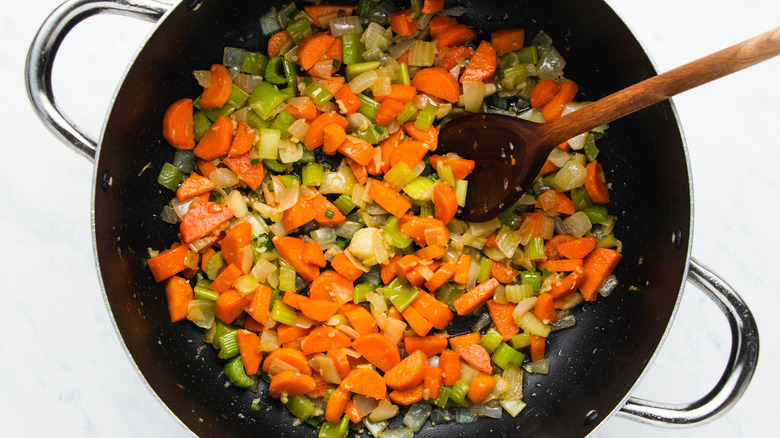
(282, 122)
(237, 97)
(169, 177)
(318, 93)
(403, 77)
(220, 329)
(334, 430)
(364, 8)
(521, 340)
(535, 248)
(204, 293)
(312, 174)
(299, 29)
(265, 99)
(504, 354)
(274, 166)
(228, 345)
(527, 55)
(397, 238)
(234, 370)
(216, 262)
(361, 290)
(274, 71)
(597, 214)
(532, 278)
(448, 293)
(344, 204)
(608, 241)
(281, 312)
(509, 60)
(425, 118)
(352, 49)
(288, 179)
(491, 340)
(300, 406)
(590, 149)
(369, 107)
(485, 264)
(443, 397)
(400, 294)
(458, 393)
(200, 124)
(254, 63)
(373, 135)
(256, 122)
(409, 110)
(580, 198)
(290, 73)
(225, 110)
(307, 157)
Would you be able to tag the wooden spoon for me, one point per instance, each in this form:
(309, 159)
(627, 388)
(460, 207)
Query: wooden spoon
(510, 152)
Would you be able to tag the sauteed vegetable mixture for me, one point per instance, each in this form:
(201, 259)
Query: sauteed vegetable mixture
(319, 246)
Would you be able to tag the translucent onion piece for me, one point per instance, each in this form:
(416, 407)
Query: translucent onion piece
(489, 411)
(181, 207)
(322, 69)
(416, 416)
(523, 307)
(201, 312)
(301, 321)
(394, 329)
(608, 286)
(550, 65)
(204, 242)
(363, 81)
(563, 323)
(344, 25)
(235, 202)
(169, 215)
(289, 151)
(441, 416)
(269, 341)
(384, 410)
(513, 376)
(422, 53)
(278, 229)
(455, 11)
(463, 416)
(347, 229)
(232, 56)
(364, 405)
(289, 196)
(507, 241)
(184, 160)
(203, 77)
(328, 369)
(357, 122)
(341, 181)
(541, 366)
(559, 157)
(433, 361)
(247, 82)
(298, 130)
(324, 237)
(223, 177)
(269, 24)
(572, 301)
(278, 366)
(401, 46)
(482, 322)
(349, 331)
(578, 224)
(483, 229)
(473, 95)
(548, 227)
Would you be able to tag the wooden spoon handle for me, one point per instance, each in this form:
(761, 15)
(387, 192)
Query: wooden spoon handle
(664, 86)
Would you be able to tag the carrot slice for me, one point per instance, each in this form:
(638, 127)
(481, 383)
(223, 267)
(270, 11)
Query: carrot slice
(388, 110)
(461, 167)
(229, 305)
(362, 321)
(337, 402)
(168, 263)
(537, 347)
(472, 299)
(568, 284)
(323, 339)
(243, 139)
(449, 363)
(291, 357)
(480, 388)
(357, 149)
(289, 383)
(276, 42)
(299, 214)
(194, 185)
(408, 373)
(507, 40)
(318, 12)
(219, 88)
(241, 165)
(454, 35)
(333, 136)
(430, 345)
(416, 321)
(315, 135)
(259, 307)
(365, 381)
(544, 309)
(501, 314)
(554, 108)
(597, 266)
(407, 397)
(313, 48)
(596, 183)
(178, 128)
(331, 285)
(577, 248)
(312, 253)
(289, 333)
(216, 141)
(291, 249)
(457, 342)
(410, 152)
(392, 201)
(445, 203)
(378, 350)
(437, 82)
(563, 265)
(403, 23)
(202, 220)
(551, 246)
(482, 65)
(237, 248)
(476, 355)
(543, 92)
(179, 294)
(348, 101)
(433, 310)
(439, 23)
(247, 347)
(340, 361)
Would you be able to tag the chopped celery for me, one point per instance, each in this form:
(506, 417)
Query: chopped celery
(274, 166)
(225, 110)
(534, 250)
(426, 117)
(256, 122)
(516, 293)
(220, 329)
(449, 293)
(461, 189)
(237, 97)
(353, 70)
(597, 214)
(318, 93)
(265, 99)
(527, 55)
(234, 370)
(504, 354)
(254, 63)
(352, 49)
(403, 74)
(228, 345)
(491, 339)
(216, 262)
(521, 340)
(590, 149)
(608, 241)
(409, 110)
(268, 146)
(170, 176)
(420, 189)
(204, 293)
(334, 430)
(532, 278)
(364, 8)
(458, 393)
(300, 406)
(311, 174)
(281, 312)
(400, 294)
(512, 407)
(397, 238)
(399, 176)
(282, 122)
(531, 324)
(445, 172)
(443, 397)
(369, 107)
(299, 30)
(485, 264)
(200, 124)
(307, 156)
(344, 204)
(580, 198)
(274, 71)
(288, 180)
(361, 290)
(373, 135)
(290, 74)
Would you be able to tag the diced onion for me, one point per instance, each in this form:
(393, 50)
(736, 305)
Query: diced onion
(328, 370)
(344, 25)
(384, 410)
(522, 307)
(357, 122)
(417, 415)
(184, 160)
(550, 65)
(298, 130)
(483, 229)
(201, 312)
(563, 323)
(324, 237)
(349, 331)
(235, 202)
(507, 241)
(559, 157)
(287, 196)
(541, 366)
(169, 215)
(513, 376)
(422, 53)
(247, 82)
(578, 224)
(269, 341)
(401, 46)
(473, 95)
(364, 405)
(203, 77)
(290, 151)
(489, 411)
(608, 285)
(455, 11)
(363, 81)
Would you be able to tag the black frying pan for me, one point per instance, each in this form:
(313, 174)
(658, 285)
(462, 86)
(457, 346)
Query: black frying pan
(594, 365)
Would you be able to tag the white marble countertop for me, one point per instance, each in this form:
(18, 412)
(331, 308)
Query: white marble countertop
(66, 372)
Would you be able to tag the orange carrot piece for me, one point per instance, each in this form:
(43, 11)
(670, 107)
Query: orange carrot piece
(202, 220)
(178, 128)
(337, 402)
(229, 305)
(416, 227)
(442, 275)
(315, 134)
(504, 273)
(365, 381)
(387, 147)
(429, 137)
(454, 35)
(340, 361)
(501, 314)
(289, 383)
(276, 42)
(299, 214)
(362, 321)
(293, 299)
(335, 83)
(457, 342)
(243, 139)
(241, 165)
(317, 12)
(431, 252)
(194, 185)
(347, 101)
(462, 273)
(308, 112)
(507, 40)
(388, 110)
(554, 108)
(480, 388)
(331, 285)
(205, 167)
(568, 284)
(403, 23)
(476, 355)
(543, 92)
(596, 183)
(291, 249)
(401, 93)
(445, 203)
(205, 257)
(237, 248)
(289, 333)
(433, 310)
(408, 373)
(407, 397)
(563, 265)
(432, 383)
(537, 347)
(597, 266)
(360, 172)
(432, 6)
(252, 324)
(313, 48)
(357, 149)
(319, 310)
(179, 294)
(452, 56)
(323, 339)
(290, 356)
(551, 246)
(333, 136)
(555, 201)
(439, 23)
(321, 206)
(410, 152)
(168, 263)
(216, 141)
(474, 298)
(482, 65)
(320, 387)
(430, 345)
(312, 253)
(392, 201)
(259, 307)
(544, 309)
(378, 350)
(219, 88)
(437, 82)
(461, 167)
(577, 248)
(250, 355)
(345, 267)
(449, 364)
(416, 321)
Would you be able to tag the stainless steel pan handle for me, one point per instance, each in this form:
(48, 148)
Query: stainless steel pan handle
(735, 379)
(43, 50)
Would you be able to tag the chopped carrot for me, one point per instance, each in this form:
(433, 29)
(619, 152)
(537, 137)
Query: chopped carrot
(362, 321)
(504, 273)
(387, 147)
(445, 202)
(218, 91)
(250, 355)
(563, 265)
(410, 152)
(333, 84)
(331, 285)
(480, 387)
(439, 23)
(337, 402)
(365, 381)
(429, 137)
(432, 383)
(551, 246)
(319, 310)
(243, 140)
(333, 136)
(324, 338)
(320, 387)
(206, 257)
(401, 93)
(507, 40)
(293, 299)
(291, 357)
(241, 165)
(378, 350)
(477, 356)
(416, 227)
(416, 321)
(312, 253)
(360, 172)
(403, 23)
(289, 333)
(407, 397)
(596, 183)
(202, 220)
(597, 266)
(347, 100)
(308, 112)
(461, 167)
(577, 248)
(537, 347)
(237, 248)
(253, 325)
(178, 128)
(313, 48)
(433, 310)
(452, 56)
(276, 42)
(554, 108)
(299, 214)
(457, 342)
(326, 214)
(555, 201)
(432, 6)
(449, 363)
(454, 35)
(442, 275)
(501, 314)
(392, 201)
(462, 273)
(168, 263)
(179, 294)
(430, 345)
(344, 266)
(291, 249)
(194, 185)
(216, 141)
(340, 361)
(568, 284)
(543, 92)
(482, 65)
(544, 309)
(259, 307)
(315, 134)
(229, 305)
(320, 12)
(437, 82)
(474, 298)
(388, 110)
(205, 167)
(289, 383)
(408, 373)
(357, 149)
